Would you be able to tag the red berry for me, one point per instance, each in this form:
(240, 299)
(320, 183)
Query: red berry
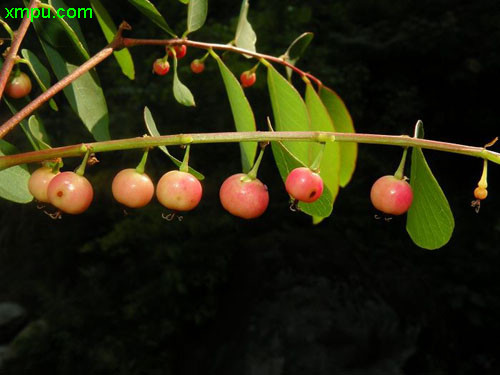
(248, 78)
(180, 51)
(197, 66)
(38, 182)
(179, 191)
(244, 197)
(391, 195)
(18, 86)
(132, 188)
(70, 192)
(304, 185)
(161, 67)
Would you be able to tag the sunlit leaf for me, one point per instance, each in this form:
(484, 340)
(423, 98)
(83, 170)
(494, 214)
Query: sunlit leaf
(40, 73)
(197, 14)
(342, 122)
(321, 121)
(244, 119)
(245, 36)
(150, 11)
(109, 30)
(66, 53)
(153, 131)
(290, 113)
(430, 221)
(181, 93)
(14, 180)
(184, 1)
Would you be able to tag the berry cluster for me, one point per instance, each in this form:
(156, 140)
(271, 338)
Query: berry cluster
(241, 194)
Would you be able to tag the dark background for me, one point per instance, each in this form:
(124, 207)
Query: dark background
(106, 292)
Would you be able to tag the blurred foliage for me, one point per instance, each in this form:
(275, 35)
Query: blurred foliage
(108, 292)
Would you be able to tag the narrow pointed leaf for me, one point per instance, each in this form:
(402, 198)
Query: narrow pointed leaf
(286, 162)
(244, 119)
(181, 93)
(297, 49)
(321, 121)
(245, 36)
(40, 73)
(14, 180)
(65, 53)
(197, 14)
(290, 113)
(342, 122)
(430, 221)
(153, 131)
(39, 133)
(150, 11)
(109, 30)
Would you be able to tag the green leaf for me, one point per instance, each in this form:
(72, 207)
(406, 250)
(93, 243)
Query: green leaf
(297, 49)
(150, 11)
(66, 53)
(153, 131)
(290, 114)
(123, 57)
(321, 121)
(39, 133)
(14, 180)
(244, 119)
(184, 1)
(245, 36)
(181, 93)
(430, 221)
(286, 162)
(40, 73)
(342, 122)
(197, 14)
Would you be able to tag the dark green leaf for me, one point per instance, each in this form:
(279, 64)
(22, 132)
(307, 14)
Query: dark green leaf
(342, 122)
(14, 180)
(109, 29)
(181, 93)
(65, 53)
(153, 131)
(197, 14)
(297, 49)
(245, 36)
(40, 73)
(321, 121)
(244, 119)
(430, 221)
(150, 11)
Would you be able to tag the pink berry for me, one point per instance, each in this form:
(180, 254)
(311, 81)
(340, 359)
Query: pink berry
(179, 191)
(161, 67)
(132, 188)
(18, 85)
(248, 78)
(197, 66)
(304, 185)
(244, 197)
(391, 195)
(180, 51)
(38, 182)
(70, 192)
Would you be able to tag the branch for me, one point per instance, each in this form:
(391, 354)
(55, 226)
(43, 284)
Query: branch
(131, 42)
(14, 48)
(79, 150)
